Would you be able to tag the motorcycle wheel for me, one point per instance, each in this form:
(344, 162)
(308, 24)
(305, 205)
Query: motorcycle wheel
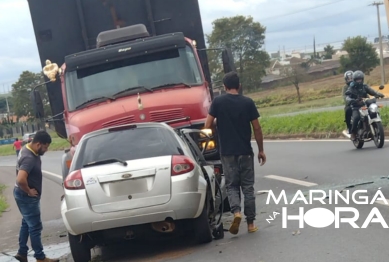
(379, 137)
(358, 143)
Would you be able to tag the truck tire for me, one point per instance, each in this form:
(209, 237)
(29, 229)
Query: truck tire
(80, 250)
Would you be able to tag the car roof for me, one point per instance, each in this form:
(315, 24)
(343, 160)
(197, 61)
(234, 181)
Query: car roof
(128, 126)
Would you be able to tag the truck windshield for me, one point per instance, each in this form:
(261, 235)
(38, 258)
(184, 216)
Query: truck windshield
(156, 69)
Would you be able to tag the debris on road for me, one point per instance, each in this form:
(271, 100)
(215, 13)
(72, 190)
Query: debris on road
(360, 184)
(261, 192)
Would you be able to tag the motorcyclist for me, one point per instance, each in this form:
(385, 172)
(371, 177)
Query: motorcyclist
(348, 77)
(354, 95)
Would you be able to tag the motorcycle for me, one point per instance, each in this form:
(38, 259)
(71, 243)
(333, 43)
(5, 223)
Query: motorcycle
(370, 124)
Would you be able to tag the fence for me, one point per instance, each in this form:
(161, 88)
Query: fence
(18, 130)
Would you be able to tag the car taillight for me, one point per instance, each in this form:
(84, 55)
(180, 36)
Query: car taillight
(181, 165)
(74, 181)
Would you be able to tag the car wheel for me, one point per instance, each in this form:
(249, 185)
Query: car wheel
(80, 248)
(202, 228)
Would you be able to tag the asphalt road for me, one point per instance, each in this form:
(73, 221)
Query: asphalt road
(291, 166)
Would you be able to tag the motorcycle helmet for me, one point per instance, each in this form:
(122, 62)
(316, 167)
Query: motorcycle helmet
(348, 76)
(358, 78)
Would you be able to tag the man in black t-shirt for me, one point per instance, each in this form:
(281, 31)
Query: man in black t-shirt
(27, 194)
(235, 114)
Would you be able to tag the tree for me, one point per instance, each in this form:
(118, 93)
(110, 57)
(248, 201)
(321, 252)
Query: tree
(21, 91)
(329, 51)
(296, 74)
(245, 39)
(361, 55)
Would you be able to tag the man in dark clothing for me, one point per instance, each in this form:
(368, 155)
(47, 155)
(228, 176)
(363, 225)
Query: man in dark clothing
(348, 77)
(235, 114)
(27, 194)
(354, 95)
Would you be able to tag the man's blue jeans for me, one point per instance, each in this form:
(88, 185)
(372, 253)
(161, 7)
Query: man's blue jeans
(29, 207)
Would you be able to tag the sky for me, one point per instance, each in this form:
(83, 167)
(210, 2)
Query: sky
(289, 24)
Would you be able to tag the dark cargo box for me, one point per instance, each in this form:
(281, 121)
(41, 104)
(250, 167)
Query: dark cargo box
(63, 27)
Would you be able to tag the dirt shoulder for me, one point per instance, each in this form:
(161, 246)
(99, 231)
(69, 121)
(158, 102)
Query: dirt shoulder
(54, 230)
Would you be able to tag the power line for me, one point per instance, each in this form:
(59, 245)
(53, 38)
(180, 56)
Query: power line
(302, 47)
(313, 20)
(302, 10)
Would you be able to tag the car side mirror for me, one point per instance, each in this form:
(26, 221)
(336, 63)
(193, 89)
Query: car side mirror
(228, 61)
(37, 104)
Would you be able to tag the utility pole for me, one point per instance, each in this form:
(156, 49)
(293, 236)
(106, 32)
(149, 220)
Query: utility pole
(6, 99)
(377, 4)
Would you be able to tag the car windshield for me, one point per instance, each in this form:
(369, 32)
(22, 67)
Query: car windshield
(128, 144)
(105, 80)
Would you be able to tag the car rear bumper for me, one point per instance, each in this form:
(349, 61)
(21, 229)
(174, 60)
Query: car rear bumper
(82, 219)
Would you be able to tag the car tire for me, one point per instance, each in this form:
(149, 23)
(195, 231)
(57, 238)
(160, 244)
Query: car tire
(202, 229)
(80, 249)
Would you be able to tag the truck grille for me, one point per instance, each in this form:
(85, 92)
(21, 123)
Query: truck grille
(119, 121)
(166, 115)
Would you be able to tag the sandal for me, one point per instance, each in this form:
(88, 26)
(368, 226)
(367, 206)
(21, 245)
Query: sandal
(255, 229)
(234, 228)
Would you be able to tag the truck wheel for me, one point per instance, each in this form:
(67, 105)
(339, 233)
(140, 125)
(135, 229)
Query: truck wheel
(202, 228)
(80, 249)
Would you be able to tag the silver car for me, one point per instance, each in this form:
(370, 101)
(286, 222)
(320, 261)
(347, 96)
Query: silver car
(129, 179)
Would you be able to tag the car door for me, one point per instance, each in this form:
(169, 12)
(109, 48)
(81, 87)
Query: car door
(207, 167)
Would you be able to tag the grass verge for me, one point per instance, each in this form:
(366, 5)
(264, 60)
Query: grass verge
(283, 99)
(3, 201)
(311, 123)
(283, 109)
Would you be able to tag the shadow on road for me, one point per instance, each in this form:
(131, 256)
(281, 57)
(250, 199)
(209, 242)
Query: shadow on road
(141, 250)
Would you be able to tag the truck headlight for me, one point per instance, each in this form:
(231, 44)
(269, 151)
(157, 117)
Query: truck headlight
(211, 143)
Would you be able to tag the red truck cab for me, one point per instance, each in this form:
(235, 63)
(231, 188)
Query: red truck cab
(146, 79)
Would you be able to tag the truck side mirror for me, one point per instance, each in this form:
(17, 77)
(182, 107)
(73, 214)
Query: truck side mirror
(37, 104)
(228, 61)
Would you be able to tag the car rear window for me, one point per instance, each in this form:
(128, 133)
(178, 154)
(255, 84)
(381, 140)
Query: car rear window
(129, 144)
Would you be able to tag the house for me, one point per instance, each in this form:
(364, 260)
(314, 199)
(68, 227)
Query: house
(296, 54)
(274, 68)
(338, 54)
(296, 61)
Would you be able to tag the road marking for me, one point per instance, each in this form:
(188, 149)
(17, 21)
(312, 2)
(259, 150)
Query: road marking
(306, 141)
(52, 174)
(381, 202)
(303, 140)
(291, 180)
